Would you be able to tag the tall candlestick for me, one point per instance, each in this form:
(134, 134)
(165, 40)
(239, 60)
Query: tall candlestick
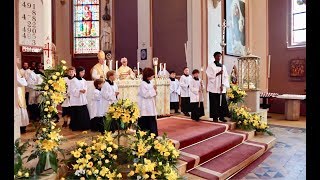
(110, 64)
(138, 65)
(116, 66)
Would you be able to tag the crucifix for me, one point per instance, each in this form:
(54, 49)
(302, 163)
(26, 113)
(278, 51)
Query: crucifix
(222, 44)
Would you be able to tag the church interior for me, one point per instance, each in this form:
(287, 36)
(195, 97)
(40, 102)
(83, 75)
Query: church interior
(237, 66)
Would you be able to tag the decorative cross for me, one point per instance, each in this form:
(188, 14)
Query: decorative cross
(47, 48)
(223, 28)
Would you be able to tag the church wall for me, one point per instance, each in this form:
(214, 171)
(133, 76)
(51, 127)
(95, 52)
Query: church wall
(279, 81)
(63, 31)
(126, 30)
(169, 24)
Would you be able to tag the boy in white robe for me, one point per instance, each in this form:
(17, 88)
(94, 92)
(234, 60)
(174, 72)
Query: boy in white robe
(109, 94)
(66, 108)
(96, 108)
(174, 92)
(185, 80)
(146, 101)
(196, 96)
(80, 118)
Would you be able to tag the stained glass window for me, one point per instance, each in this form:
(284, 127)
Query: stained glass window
(86, 15)
(298, 23)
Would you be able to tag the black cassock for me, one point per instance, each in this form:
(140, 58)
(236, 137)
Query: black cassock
(196, 110)
(148, 123)
(185, 104)
(217, 111)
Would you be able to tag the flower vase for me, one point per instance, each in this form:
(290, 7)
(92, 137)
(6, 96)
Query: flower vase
(259, 133)
(47, 165)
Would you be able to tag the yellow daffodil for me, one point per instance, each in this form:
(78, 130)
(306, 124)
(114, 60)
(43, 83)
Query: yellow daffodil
(64, 67)
(131, 173)
(63, 62)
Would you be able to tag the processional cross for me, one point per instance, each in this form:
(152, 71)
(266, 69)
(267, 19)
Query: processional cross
(222, 44)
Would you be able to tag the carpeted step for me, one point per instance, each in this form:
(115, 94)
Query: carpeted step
(230, 162)
(185, 132)
(210, 148)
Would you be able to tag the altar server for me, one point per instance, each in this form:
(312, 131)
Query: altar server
(96, 108)
(174, 92)
(196, 96)
(147, 93)
(80, 119)
(215, 72)
(185, 80)
(66, 108)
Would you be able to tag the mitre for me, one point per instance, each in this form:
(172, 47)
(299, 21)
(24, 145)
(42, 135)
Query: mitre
(101, 55)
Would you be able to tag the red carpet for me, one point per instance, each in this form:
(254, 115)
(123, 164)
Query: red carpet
(252, 166)
(188, 132)
(226, 161)
(211, 150)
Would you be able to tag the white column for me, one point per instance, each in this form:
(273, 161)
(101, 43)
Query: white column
(144, 32)
(15, 105)
(47, 32)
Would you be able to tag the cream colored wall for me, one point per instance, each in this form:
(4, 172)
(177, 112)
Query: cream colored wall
(258, 37)
(63, 31)
(144, 32)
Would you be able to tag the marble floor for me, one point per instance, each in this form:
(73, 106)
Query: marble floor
(288, 157)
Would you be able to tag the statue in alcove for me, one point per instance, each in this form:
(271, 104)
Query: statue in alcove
(106, 30)
(233, 76)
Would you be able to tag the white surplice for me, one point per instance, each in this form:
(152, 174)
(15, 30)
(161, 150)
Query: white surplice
(108, 93)
(95, 106)
(146, 99)
(22, 83)
(25, 74)
(66, 102)
(174, 90)
(196, 91)
(214, 81)
(76, 97)
(33, 80)
(185, 84)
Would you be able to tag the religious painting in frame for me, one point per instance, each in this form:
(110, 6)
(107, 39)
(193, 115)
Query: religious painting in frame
(235, 31)
(143, 54)
(297, 69)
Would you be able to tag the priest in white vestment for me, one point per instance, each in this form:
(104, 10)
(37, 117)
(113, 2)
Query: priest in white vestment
(124, 71)
(146, 101)
(185, 81)
(174, 92)
(80, 118)
(214, 72)
(24, 118)
(25, 71)
(100, 69)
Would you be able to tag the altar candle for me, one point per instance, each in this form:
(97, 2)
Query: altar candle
(138, 65)
(116, 66)
(164, 66)
(155, 71)
(160, 68)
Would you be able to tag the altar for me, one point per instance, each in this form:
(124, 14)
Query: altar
(128, 89)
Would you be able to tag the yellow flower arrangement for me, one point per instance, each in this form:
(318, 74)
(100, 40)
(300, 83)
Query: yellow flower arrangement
(47, 138)
(124, 114)
(152, 158)
(96, 160)
(235, 94)
(246, 120)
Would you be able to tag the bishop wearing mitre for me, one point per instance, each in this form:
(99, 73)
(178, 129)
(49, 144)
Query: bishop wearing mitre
(124, 71)
(100, 69)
